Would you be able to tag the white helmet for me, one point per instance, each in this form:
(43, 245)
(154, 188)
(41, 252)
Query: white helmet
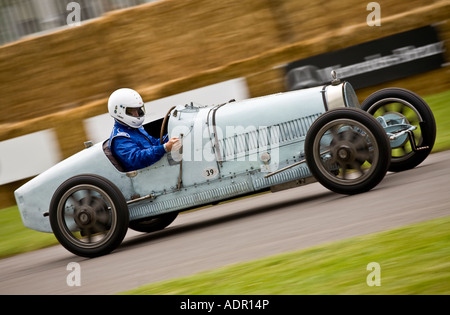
(127, 106)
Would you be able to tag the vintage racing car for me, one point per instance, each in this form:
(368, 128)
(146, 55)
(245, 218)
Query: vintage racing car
(240, 147)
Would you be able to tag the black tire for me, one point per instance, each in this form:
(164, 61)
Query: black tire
(417, 112)
(347, 151)
(89, 215)
(153, 224)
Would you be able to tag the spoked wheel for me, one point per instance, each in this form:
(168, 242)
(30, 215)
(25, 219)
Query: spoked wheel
(89, 215)
(395, 104)
(347, 151)
(153, 224)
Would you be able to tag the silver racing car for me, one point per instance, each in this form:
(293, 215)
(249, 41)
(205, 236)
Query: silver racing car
(272, 142)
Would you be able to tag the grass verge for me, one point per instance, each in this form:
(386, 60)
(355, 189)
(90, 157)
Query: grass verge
(440, 106)
(17, 239)
(412, 260)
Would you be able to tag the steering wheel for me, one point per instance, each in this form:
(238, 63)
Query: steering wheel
(164, 125)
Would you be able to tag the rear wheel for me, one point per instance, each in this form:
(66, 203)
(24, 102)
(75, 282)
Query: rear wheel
(89, 215)
(411, 107)
(347, 151)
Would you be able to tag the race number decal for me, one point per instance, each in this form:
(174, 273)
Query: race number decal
(210, 172)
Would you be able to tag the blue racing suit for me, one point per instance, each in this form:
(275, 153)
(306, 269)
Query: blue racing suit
(134, 147)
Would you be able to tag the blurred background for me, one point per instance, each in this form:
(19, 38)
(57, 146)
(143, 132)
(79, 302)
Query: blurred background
(55, 78)
(21, 18)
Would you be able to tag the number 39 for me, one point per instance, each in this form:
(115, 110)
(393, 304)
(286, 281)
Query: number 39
(210, 172)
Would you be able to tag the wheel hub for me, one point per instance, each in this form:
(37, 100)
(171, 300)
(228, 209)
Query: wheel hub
(85, 217)
(344, 153)
(349, 149)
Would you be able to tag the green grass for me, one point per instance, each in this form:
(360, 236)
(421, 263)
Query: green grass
(412, 259)
(440, 105)
(17, 239)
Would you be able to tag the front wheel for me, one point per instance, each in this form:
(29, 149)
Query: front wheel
(347, 151)
(89, 215)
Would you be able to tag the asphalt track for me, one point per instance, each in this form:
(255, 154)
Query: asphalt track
(238, 231)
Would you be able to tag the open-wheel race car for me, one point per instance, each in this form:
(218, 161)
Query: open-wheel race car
(241, 147)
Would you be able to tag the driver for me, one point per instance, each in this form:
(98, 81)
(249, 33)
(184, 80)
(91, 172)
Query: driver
(129, 142)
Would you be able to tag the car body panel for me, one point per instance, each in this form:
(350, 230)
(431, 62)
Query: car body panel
(33, 198)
